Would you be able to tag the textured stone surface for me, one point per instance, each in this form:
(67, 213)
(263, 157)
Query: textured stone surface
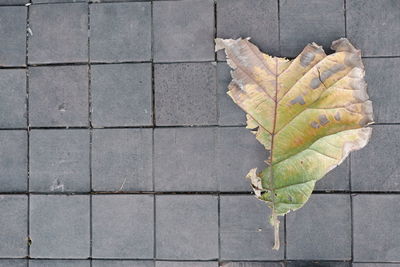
(13, 2)
(318, 264)
(121, 263)
(120, 32)
(253, 264)
(187, 227)
(13, 263)
(185, 264)
(59, 263)
(337, 179)
(59, 226)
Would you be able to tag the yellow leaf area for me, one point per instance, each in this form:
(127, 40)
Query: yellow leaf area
(309, 112)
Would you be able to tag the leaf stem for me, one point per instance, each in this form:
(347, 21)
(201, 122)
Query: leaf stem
(275, 223)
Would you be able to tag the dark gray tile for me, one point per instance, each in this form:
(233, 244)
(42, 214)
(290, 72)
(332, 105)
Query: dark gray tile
(123, 226)
(122, 160)
(375, 232)
(373, 26)
(59, 263)
(183, 30)
(59, 161)
(14, 161)
(383, 78)
(376, 265)
(185, 94)
(58, 96)
(257, 19)
(228, 112)
(56, 1)
(13, 263)
(238, 151)
(59, 226)
(186, 264)
(122, 263)
(303, 22)
(184, 159)
(245, 232)
(321, 230)
(337, 179)
(375, 167)
(253, 264)
(187, 227)
(13, 226)
(317, 264)
(120, 32)
(121, 95)
(13, 2)
(12, 98)
(13, 35)
(59, 33)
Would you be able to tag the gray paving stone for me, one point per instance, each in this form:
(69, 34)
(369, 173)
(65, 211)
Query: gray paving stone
(121, 95)
(13, 35)
(375, 167)
(59, 33)
(186, 264)
(59, 226)
(123, 226)
(383, 80)
(375, 232)
(58, 96)
(321, 230)
(317, 264)
(13, 226)
(253, 264)
(183, 31)
(59, 161)
(257, 19)
(14, 161)
(302, 22)
(378, 17)
(228, 112)
(245, 232)
(59, 263)
(185, 94)
(120, 32)
(121, 263)
(184, 159)
(13, 2)
(13, 263)
(187, 227)
(122, 160)
(376, 265)
(12, 98)
(238, 151)
(56, 1)
(337, 179)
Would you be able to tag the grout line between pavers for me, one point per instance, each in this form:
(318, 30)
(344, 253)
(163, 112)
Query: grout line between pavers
(345, 17)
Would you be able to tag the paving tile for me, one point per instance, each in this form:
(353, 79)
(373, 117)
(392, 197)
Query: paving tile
(337, 179)
(122, 160)
(121, 263)
(13, 35)
(184, 159)
(121, 95)
(13, 263)
(253, 264)
(238, 151)
(321, 230)
(123, 226)
(375, 232)
(183, 31)
(58, 96)
(56, 1)
(376, 265)
(383, 79)
(59, 33)
(187, 227)
(185, 94)
(13, 226)
(228, 112)
(257, 19)
(186, 264)
(12, 98)
(59, 161)
(13, 2)
(245, 232)
(59, 263)
(14, 161)
(59, 226)
(373, 26)
(303, 22)
(375, 167)
(317, 264)
(120, 32)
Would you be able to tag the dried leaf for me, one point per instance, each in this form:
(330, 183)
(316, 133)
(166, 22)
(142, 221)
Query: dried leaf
(309, 112)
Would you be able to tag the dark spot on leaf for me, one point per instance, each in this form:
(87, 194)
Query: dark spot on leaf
(323, 119)
(337, 116)
(306, 59)
(332, 70)
(315, 83)
(314, 124)
(299, 99)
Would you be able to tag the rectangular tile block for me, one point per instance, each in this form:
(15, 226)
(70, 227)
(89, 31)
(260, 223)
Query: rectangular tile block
(253, 264)
(185, 93)
(186, 264)
(13, 2)
(14, 161)
(318, 264)
(59, 33)
(58, 96)
(122, 263)
(56, 1)
(123, 226)
(187, 227)
(376, 265)
(121, 95)
(59, 263)
(183, 31)
(245, 233)
(122, 160)
(378, 17)
(13, 227)
(59, 226)
(59, 161)
(13, 263)
(120, 32)
(321, 230)
(337, 179)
